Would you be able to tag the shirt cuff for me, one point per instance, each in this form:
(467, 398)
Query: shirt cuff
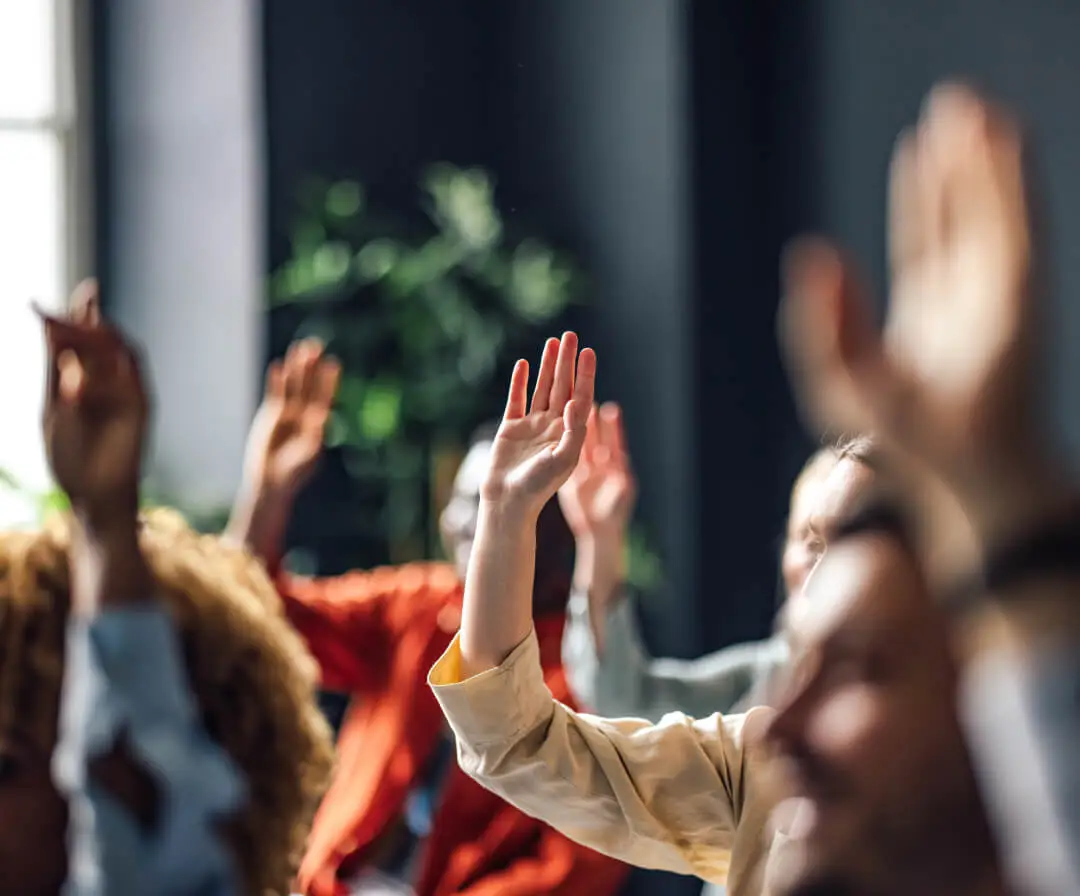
(498, 705)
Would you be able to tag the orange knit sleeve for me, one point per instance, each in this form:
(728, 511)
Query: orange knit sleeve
(556, 867)
(352, 622)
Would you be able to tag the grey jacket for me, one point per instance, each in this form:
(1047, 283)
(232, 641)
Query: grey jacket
(626, 681)
(1022, 718)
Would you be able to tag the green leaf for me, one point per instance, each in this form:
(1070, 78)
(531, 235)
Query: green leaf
(539, 282)
(644, 569)
(380, 412)
(8, 481)
(54, 502)
(307, 238)
(375, 260)
(344, 199)
(330, 263)
(337, 431)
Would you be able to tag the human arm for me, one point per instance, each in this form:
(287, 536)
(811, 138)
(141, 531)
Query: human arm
(673, 796)
(610, 671)
(283, 446)
(145, 784)
(626, 681)
(345, 621)
(602, 783)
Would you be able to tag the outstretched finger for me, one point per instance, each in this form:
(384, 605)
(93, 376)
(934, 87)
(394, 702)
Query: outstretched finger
(541, 400)
(562, 390)
(85, 307)
(275, 381)
(327, 378)
(517, 399)
(294, 373)
(584, 385)
(906, 238)
(592, 436)
(611, 431)
(826, 338)
(309, 353)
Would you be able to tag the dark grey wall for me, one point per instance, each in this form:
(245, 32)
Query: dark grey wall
(595, 141)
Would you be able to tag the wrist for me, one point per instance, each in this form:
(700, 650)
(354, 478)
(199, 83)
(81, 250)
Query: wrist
(600, 562)
(258, 519)
(1009, 503)
(113, 522)
(509, 511)
(108, 568)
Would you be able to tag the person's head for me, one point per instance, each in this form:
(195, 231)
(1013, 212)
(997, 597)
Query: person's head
(251, 677)
(868, 738)
(457, 523)
(827, 488)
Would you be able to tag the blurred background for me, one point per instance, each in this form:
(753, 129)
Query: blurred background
(433, 186)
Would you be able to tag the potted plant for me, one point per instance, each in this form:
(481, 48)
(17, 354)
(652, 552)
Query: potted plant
(424, 316)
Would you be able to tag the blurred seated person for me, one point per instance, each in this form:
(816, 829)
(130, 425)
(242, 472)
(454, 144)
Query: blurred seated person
(994, 504)
(400, 816)
(150, 668)
(609, 668)
(863, 768)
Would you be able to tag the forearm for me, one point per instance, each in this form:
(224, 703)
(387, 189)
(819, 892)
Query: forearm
(497, 609)
(108, 569)
(258, 523)
(599, 573)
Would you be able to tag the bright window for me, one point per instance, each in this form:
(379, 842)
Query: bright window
(37, 133)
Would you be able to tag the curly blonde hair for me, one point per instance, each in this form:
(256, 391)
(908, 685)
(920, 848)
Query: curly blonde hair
(248, 670)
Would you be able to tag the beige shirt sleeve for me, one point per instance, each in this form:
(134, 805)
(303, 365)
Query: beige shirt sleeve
(670, 796)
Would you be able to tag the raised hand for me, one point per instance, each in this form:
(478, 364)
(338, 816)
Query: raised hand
(951, 382)
(532, 455)
(537, 447)
(96, 411)
(286, 436)
(598, 498)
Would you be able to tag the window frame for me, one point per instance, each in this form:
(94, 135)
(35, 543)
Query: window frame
(69, 130)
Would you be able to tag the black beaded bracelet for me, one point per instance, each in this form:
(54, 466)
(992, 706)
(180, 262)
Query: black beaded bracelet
(1052, 548)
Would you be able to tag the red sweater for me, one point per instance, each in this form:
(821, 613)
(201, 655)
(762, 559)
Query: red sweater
(375, 636)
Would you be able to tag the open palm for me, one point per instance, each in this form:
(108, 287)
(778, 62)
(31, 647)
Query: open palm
(948, 380)
(599, 495)
(96, 407)
(537, 446)
(287, 435)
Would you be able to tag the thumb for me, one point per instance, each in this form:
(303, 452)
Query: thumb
(575, 427)
(830, 347)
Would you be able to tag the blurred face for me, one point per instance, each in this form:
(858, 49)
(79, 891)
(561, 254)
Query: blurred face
(33, 822)
(554, 542)
(824, 494)
(868, 738)
(458, 520)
